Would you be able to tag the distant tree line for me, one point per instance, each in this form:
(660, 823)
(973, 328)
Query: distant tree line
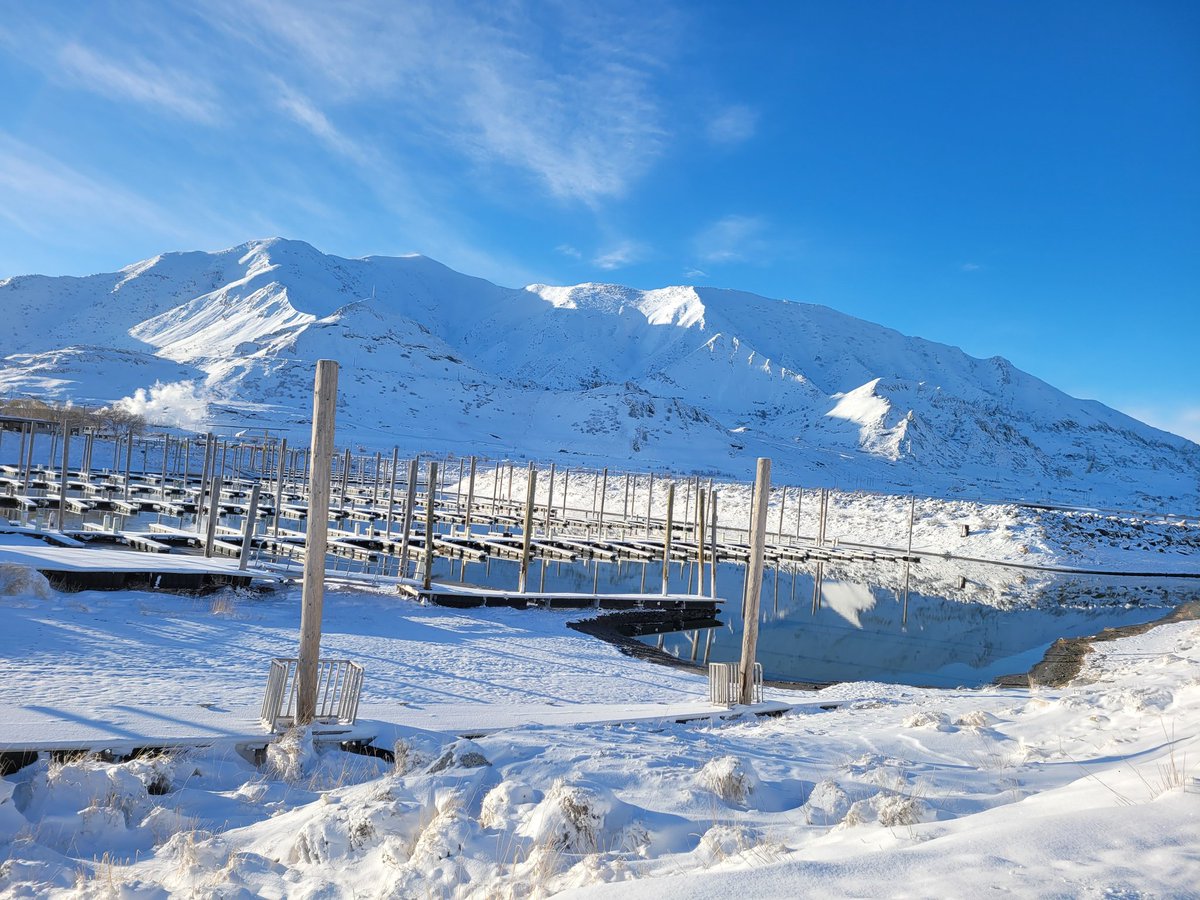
(107, 420)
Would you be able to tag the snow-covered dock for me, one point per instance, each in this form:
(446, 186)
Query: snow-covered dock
(105, 568)
(465, 596)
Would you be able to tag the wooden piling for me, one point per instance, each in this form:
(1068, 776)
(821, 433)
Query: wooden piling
(214, 514)
(391, 496)
(315, 543)
(430, 504)
(754, 575)
(279, 484)
(410, 499)
(62, 476)
(248, 526)
(527, 530)
(603, 496)
(345, 479)
(666, 557)
(470, 499)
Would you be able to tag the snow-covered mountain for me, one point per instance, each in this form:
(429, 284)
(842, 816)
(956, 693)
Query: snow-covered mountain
(682, 378)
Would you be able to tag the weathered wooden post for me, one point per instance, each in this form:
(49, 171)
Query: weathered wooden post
(128, 464)
(248, 527)
(527, 530)
(202, 495)
(410, 499)
(345, 478)
(391, 497)
(754, 575)
(912, 514)
(549, 499)
(162, 484)
(712, 574)
(279, 484)
(62, 476)
(430, 503)
(700, 539)
(649, 503)
(315, 541)
(603, 495)
(470, 500)
(214, 513)
(375, 486)
(667, 534)
(782, 507)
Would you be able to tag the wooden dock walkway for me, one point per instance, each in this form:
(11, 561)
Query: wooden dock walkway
(380, 521)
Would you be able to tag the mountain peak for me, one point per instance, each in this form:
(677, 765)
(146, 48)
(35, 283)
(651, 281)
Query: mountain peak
(678, 377)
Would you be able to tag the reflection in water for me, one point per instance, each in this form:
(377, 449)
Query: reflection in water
(936, 625)
(937, 622)
(856, 630)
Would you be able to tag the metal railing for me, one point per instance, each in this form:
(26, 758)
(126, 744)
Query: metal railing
(725, 684)
(339, 685)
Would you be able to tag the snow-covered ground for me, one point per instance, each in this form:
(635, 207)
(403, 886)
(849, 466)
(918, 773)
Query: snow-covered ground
(1087, 790)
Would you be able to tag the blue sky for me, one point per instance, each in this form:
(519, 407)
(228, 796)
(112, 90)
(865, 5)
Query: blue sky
(1015, 178)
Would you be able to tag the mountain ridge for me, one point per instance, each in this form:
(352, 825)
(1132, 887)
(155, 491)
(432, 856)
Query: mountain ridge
(681, 377)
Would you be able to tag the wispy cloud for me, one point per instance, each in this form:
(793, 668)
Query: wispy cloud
(568, 250)
(732, 125)
(734, 238)
(137, 80)
(623, 254)
(694, 274)
(302, 111)
(562, 93)
(970, 267)
(41, 195)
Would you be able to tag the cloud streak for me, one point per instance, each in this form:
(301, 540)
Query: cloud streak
(140, 81)
(733, 238)
(732, 125)
(564, 95)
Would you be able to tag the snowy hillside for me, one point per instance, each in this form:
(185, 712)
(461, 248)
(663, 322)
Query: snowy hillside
(682, 378)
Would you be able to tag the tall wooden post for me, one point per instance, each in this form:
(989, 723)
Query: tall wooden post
(391, 498)
(279, 484)
(248, 526)
(550, 499)
(430, 523)
(128, 464)
(649, 503)
(712, 574)
(162, 484)
(375, 486)
(912, 514)
(470, 499)
(666, 572)
(214, 513)
(410, 499)
(62, 477)
(603, 495)
(701, 537)
(202, 494)
(316, 538)
(527, 530)
(345, 477)
(754, 575)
